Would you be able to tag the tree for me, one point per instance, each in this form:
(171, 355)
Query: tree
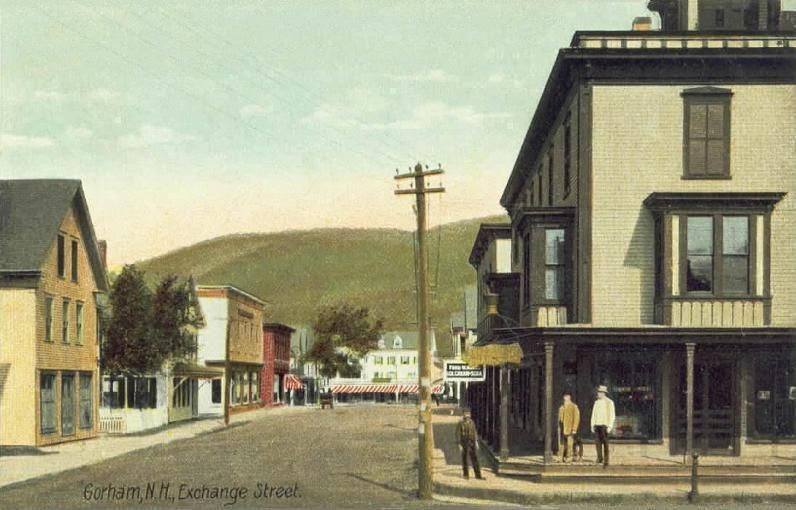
(343, 333)
(147, 329)
(127, 347)
(173, 313)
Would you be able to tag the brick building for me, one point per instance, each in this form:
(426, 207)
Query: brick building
(276, 364)
(52, 285)
(652, 215)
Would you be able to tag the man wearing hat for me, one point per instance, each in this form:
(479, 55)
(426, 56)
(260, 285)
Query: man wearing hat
(602, 422)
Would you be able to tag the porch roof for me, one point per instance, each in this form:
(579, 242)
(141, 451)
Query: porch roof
(197, 371)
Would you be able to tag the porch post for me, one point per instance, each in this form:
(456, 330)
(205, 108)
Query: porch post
(548, 402)
(689, 400)
(504, 412)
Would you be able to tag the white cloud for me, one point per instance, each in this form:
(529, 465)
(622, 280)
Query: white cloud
(52, 96)
(148, 134)
(255, 110)
(98, 95)
(79, 133)
(502, 79)
(103, 95)
(431, 113)
(12, 141)
(434, 75)
(425, 115)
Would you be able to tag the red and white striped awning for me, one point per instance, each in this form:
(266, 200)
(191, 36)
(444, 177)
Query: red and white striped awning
(292, 382)
(381, 388)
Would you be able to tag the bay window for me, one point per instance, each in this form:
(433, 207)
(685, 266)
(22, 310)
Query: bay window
(717, 255)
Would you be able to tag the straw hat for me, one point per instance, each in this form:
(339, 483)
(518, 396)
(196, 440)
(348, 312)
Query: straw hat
(602, 389)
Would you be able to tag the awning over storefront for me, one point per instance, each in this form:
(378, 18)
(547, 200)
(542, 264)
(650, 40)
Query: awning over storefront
(494, 354)
(292, 382)
(381, 388)
(197, 371)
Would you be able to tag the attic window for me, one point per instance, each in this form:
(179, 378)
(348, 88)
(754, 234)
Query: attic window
(396, 343)
(61, 256)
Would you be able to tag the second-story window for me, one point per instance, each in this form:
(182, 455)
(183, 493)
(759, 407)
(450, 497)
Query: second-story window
(526, 269)
(567, 156)
(73, 260)
(554, 264)
(550, 176)
(65, 322)
(706, 139)
(717, 255)
(61, 248)
(48, 318)
(79, 323)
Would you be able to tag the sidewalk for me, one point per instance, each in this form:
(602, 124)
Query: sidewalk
(32, 462)
(448, 481)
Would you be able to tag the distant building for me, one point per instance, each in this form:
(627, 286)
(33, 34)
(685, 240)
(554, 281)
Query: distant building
(234, 326)
(276, 364)
(301, 341)
(52, 286)
(391, 371)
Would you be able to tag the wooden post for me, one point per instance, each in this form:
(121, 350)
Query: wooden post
(689, 400)
(548, 402)
(504, 413)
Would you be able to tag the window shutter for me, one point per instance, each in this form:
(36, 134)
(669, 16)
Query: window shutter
(696, 157)
(697, 120)
(715, 120)
(715, 157)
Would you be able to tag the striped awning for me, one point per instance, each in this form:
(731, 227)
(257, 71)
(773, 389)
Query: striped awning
(381, 388)
(292, 382)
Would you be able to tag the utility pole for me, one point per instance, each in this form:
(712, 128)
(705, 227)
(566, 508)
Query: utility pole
(425, 439)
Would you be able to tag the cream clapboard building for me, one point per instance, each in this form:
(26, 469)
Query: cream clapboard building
(653, 215)
(52, 281)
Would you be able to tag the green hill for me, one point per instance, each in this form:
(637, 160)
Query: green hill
(298, 271)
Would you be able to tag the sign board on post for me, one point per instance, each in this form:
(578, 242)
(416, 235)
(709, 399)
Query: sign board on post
(458, 371)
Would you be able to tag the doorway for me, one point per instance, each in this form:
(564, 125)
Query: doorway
(67, 404)
(715, 415)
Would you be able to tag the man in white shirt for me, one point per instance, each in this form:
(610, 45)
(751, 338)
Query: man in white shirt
(602, 423)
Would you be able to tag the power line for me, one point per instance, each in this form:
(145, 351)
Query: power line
(264, 67)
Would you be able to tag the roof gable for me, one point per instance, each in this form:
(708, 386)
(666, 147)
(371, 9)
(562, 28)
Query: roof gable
(31, 214)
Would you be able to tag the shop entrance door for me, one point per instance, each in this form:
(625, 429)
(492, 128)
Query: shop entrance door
(714, 408)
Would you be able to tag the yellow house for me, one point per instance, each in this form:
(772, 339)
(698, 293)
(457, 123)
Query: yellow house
(52, 283)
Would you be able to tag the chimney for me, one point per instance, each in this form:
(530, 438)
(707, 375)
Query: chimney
(103, 251)
(642, 24)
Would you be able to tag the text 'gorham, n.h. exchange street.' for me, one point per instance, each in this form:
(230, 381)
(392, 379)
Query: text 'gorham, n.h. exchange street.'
(168, 492)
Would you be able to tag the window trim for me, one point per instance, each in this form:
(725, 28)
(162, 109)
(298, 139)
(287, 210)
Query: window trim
(706, 95)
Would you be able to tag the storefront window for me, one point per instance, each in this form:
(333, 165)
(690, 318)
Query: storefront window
(254, 387)
(632, 385)
(775, 399)
(245, 387)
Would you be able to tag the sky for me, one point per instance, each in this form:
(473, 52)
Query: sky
(189, 120)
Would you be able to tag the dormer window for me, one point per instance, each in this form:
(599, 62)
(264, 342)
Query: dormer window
(396, 343)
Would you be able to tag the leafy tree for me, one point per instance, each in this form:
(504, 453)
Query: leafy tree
(342, 334)
(127, 347)
(173, 313)
(147, 329)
